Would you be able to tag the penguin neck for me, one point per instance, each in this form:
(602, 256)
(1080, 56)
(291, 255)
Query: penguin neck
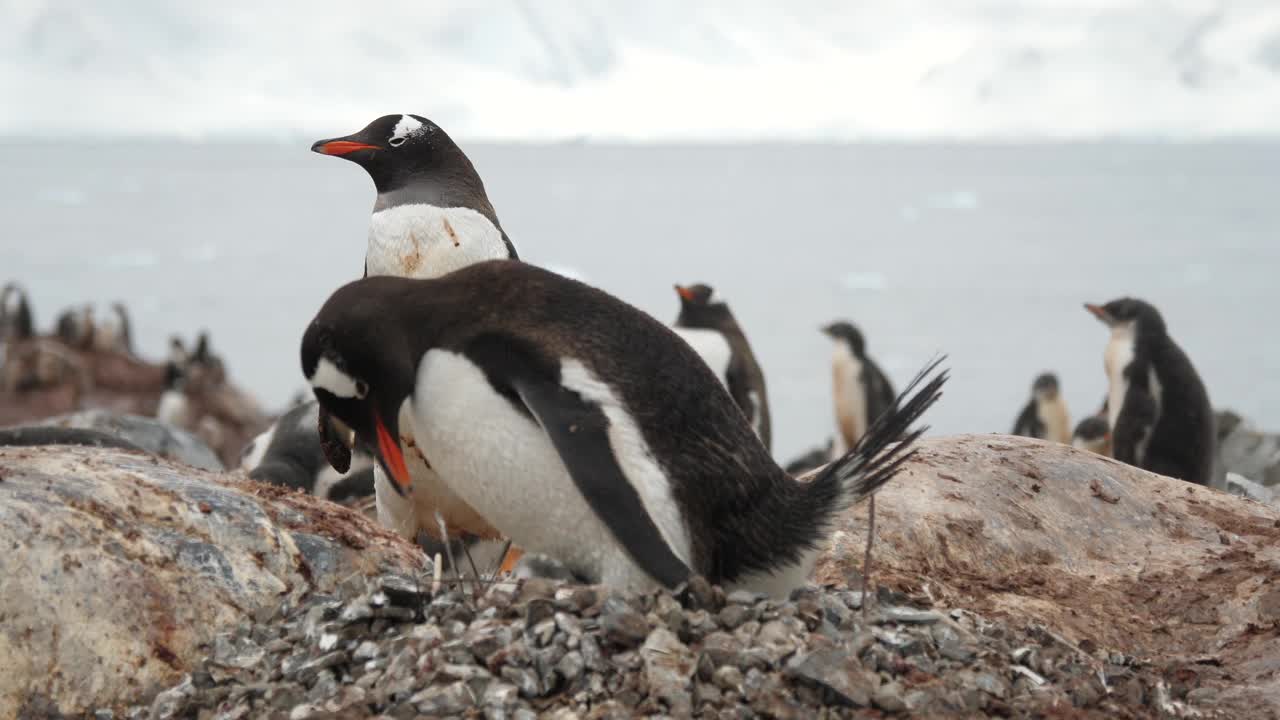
(464, 190)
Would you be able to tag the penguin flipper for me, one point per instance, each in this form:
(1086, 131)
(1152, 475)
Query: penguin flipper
(1025, 426)
(579, 431)
(1134, 425)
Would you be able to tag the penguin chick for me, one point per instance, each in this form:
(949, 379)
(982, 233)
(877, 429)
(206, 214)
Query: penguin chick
(1093, 434)
(582, 428)
(860, 390)
(1045, 415)
(1157, 405)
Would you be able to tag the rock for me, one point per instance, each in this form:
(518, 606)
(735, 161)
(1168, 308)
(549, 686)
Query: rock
(836, 674)
(1009, 526)
(187, 555)
(449, 700)
(146, 433)
(1248, 453)
(668, 670)
(622, 626)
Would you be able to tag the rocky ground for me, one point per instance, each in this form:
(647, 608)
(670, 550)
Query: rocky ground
(538, 648)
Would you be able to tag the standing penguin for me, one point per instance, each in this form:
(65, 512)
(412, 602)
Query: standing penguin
(431, 216)
(1045, 415)
(860, 390)
(584, 429)
(1157, 406)
(711, 330)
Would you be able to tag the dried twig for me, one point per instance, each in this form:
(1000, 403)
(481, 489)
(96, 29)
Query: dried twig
(866, 560)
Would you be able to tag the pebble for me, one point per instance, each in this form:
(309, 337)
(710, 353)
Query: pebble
(544, 648)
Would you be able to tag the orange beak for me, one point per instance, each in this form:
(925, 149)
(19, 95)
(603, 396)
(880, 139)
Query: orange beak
(1097, 311)
(510, 559)
(684, 292)
(341, 147)
(392, 458)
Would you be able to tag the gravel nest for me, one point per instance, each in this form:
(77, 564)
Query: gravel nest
(540, 648)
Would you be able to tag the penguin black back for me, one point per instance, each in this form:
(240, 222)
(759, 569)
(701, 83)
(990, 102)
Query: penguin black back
(523, 326)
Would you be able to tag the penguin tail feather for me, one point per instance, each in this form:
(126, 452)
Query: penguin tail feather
(887, 444)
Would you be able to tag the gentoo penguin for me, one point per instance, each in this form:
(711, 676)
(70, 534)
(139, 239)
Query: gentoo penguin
(706, 323)
(582, 428)
(1045, 415)
(1093, 434)
(287, 454)
(1157, 406)
(15, 314)
(860, 390)
(431, 216)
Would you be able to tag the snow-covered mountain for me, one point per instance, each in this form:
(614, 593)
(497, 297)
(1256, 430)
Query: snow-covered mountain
(658, 70)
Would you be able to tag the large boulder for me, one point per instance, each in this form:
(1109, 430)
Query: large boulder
(118, 566)
(146, 433)
(1103, 553)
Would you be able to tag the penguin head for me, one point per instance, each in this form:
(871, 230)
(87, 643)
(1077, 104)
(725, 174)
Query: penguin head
(395, 149)
(357, 362)
(699, 306)
(1045, 386)
(1092, 434)
(845, 332)
(1129, 313)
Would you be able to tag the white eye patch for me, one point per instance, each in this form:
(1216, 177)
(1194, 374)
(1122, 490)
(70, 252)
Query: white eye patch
(328, 377)
(407, 126)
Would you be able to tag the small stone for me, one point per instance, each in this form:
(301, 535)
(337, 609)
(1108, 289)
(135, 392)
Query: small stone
(622, 626)
(909, 616)
(721, 647)
(570, 666)
(728, 677)
(525, 680)
(837, 674)
(991, 685)
(696, 594)
(733, 616)
(591, 655)
(500, 695)
(173, 702)
(358, 611)
(568, 624)
(305, 711)
(537, 588)
(537, 610)
(888, 697)
(452, 699)
(668, 669)
(366, 650)
(745, 597)
(328, 641)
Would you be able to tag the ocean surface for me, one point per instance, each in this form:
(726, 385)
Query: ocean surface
(984, 253)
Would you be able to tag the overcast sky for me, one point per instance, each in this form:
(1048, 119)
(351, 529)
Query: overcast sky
(616, 69)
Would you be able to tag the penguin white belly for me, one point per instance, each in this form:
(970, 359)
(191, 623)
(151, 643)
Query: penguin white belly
(257, 448)
(712, 347)
(1056, 419)
(425, 241)
(416, 509)
(1118, 355)
(503, 464)
(850, 398)
(175, 411)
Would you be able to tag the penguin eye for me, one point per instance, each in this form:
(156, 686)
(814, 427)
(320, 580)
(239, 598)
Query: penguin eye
(362, 389)
(396, 141)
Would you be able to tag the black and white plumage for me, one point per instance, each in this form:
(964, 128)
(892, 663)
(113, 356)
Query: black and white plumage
(1093, 434)
(581, 428)
(16, 321)
(860, 390)
(431, 216)
(1045, 416)
(707, 324)
(287, 454)
(1157, 405)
